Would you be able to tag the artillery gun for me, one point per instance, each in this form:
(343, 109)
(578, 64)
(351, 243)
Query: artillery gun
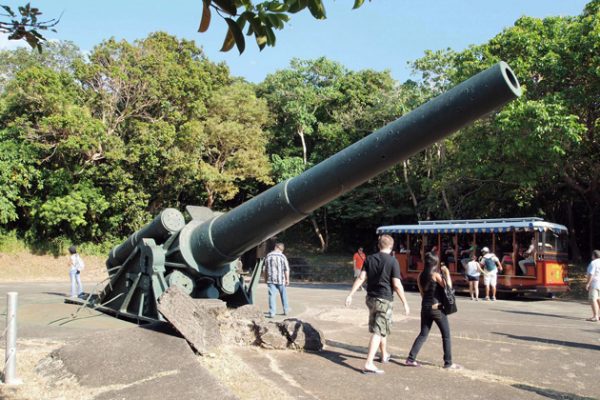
(200, 256)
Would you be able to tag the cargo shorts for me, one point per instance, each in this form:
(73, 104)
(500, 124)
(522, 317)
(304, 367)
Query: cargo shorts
(380, 316)
(594, 294)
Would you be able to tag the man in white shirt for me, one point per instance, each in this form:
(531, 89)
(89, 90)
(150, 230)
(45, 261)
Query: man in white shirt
(593, 285)
(491, 265)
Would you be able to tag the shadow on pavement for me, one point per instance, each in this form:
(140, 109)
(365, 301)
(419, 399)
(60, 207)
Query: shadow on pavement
(341, 358)
(317, 285)
(541, 314)
(551, 394)
(63, 294)
(576, 345)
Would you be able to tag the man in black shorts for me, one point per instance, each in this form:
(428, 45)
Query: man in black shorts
(382, 273)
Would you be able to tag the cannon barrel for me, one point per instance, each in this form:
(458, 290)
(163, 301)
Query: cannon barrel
(222, 239)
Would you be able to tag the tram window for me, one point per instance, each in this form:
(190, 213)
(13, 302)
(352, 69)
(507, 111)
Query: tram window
(415, 251)
(525, 241)
(485, 240)
(448, 247)
(554, 242)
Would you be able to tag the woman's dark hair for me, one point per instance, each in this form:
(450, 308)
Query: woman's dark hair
(432, 264)
(72, 249)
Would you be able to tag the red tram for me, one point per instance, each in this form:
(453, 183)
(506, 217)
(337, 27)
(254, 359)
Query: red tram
(533, 252)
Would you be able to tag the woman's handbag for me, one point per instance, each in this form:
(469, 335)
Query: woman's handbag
(448, 299)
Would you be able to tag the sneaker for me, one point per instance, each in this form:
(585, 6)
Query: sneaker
(452, 366)
(476, 299)
(375, 371)
(494, 298)
(385, 360)
(487, 299)
(411, 363)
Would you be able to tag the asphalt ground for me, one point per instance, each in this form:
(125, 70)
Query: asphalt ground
(509, 349)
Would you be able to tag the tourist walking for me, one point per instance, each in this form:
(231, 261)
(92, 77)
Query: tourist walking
(431, 283)
(76, 265)
(382, 273)
(593, 285)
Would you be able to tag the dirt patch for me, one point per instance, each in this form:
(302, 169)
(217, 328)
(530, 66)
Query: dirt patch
(24, 266)
(35, 385)
(230, 370)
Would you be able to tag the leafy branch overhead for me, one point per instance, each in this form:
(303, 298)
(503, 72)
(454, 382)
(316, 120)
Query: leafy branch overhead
(25, 25)
(260, 20)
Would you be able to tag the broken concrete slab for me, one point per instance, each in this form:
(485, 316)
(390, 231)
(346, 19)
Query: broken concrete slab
(302, 335)
(270, 336)
(195, 319)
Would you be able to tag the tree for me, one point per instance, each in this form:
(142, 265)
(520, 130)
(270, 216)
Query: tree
(233, 142)
(262, 18)
(538, 155)
(26, 25)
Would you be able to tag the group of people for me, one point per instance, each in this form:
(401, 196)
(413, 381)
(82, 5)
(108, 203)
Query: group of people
(488, 265)
(381, 272)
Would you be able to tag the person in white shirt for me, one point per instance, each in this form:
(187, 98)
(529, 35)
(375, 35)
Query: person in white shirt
(76, 265)
(593, 285)
(491, 265)
(473, 273)
(527, 257)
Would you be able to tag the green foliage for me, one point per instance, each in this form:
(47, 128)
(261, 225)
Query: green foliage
(25, 25)
(92, 148)
(260, 18)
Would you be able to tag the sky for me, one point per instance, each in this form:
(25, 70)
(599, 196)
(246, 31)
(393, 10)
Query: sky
(381, 35)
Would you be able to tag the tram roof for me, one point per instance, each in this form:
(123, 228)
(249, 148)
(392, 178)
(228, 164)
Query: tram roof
(497, 225)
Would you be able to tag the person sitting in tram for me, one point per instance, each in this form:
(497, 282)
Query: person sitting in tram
(527, 257)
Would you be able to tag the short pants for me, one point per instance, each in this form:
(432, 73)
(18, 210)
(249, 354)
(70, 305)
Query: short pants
(472, 278)
(491, 278)
(357, 272)
(380, 316)
(594, 294)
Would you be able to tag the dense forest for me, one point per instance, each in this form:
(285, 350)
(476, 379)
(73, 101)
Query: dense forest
(93, 145)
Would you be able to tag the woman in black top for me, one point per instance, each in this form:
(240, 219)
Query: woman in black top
(431, 285)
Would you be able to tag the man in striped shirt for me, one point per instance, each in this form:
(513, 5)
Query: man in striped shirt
(277, 277)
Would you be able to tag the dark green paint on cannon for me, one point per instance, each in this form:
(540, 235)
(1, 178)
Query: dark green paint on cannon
(201, 256)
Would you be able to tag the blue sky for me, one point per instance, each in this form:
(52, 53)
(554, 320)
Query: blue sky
(382, 34)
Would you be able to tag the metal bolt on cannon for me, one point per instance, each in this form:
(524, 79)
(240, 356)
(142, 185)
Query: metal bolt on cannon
(200, 256)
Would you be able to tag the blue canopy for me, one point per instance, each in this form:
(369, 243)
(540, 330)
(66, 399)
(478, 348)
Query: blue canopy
(475, 226)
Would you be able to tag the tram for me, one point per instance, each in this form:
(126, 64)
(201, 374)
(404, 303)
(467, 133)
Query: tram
(533, 252)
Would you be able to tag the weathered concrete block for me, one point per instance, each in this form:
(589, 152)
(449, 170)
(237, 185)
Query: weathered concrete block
(270, 336)
(248, 312)
(195, 320)
(302, 335)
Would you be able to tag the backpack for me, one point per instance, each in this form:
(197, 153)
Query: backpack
(490, 263)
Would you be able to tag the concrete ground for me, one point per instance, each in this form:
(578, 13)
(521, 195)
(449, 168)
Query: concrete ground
(517, 349)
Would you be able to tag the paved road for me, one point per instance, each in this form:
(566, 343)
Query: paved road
(534, 349)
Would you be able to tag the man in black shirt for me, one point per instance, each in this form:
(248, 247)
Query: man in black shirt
(382, 273)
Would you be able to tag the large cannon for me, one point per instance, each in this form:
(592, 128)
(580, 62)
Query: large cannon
(200, 256)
